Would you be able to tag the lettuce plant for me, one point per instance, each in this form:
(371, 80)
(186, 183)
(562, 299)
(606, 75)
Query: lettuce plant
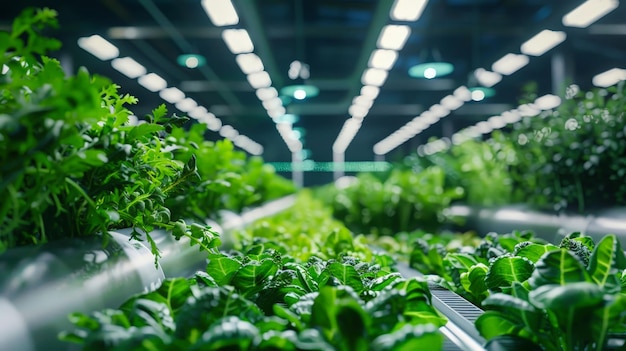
(563, 304)
(258, 296)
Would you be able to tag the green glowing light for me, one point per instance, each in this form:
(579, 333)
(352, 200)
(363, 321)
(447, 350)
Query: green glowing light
(431, 70)
(312, 166)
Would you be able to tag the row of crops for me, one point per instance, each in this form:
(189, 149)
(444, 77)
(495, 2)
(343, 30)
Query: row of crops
(324, 274)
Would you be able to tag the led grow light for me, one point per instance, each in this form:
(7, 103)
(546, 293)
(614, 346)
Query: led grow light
(128, 67)
(374, 76)
(220, 12)
(249, 63)
(172, 95)
(99, 47)
(589, 12)
(238, 41)
(393, 37)
(300, 91)
(510, 63)
(191, 60)
(407, 10)
(383, 59)
(430, 70)
(152, 82)
(542, 42)
(481, 93)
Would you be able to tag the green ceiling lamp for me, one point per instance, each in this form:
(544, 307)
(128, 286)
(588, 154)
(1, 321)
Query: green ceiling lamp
(299, 89)
(481, 93)
(432, 66)
(299, 72)
(191, 60)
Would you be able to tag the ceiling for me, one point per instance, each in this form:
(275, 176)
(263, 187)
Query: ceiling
(335, 38)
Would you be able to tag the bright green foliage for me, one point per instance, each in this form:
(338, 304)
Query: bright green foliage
(261, 296)
(309, 229)
(227, 178)
(72, 163)
(565, 304)
(403, 201)
(480, 168)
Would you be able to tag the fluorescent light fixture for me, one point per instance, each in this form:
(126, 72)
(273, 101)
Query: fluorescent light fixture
(610, 77)
(511, 116)
(266, 93)
(152, 82)
(429, 117)
(542, 42)
(287, 118)
(128, 67)
(487, 78)
(393, 37)
(547, 102)
(358, 112)
(227, 131)
(205, 118)
(496, 122)
(528, 110)
(451, 102)
(509, 64)
(249, 63)
(439, 110)
(383, 59)
(363, 101)
(172, 95)
(407, 10)
(186, 104)
(273, 103)
(238, 41)
(220, 12)
(462, 93)
(259, 80)
(374, 76)
(99, 47)
(214, 124)
(589, 12)
(484, 127)
(198, 112)
(277, 112)
(370, 91)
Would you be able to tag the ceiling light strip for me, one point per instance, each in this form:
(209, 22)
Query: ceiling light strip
(507, 65)
(543, 103)
(239, 43)
(104, 50)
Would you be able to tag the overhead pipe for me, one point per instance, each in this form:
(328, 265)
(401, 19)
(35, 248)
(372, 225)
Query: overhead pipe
(41, 285)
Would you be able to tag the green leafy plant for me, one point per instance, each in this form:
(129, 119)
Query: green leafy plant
(260, 296)
(403, 201)
(563, 303)
(480, 168)
(72, 162)
(572, 158)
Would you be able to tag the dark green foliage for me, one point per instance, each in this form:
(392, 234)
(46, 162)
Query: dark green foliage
(573, 158)
(403, 201)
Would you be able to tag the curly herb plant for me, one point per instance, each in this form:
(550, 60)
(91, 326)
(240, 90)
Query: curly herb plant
(72, 162)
